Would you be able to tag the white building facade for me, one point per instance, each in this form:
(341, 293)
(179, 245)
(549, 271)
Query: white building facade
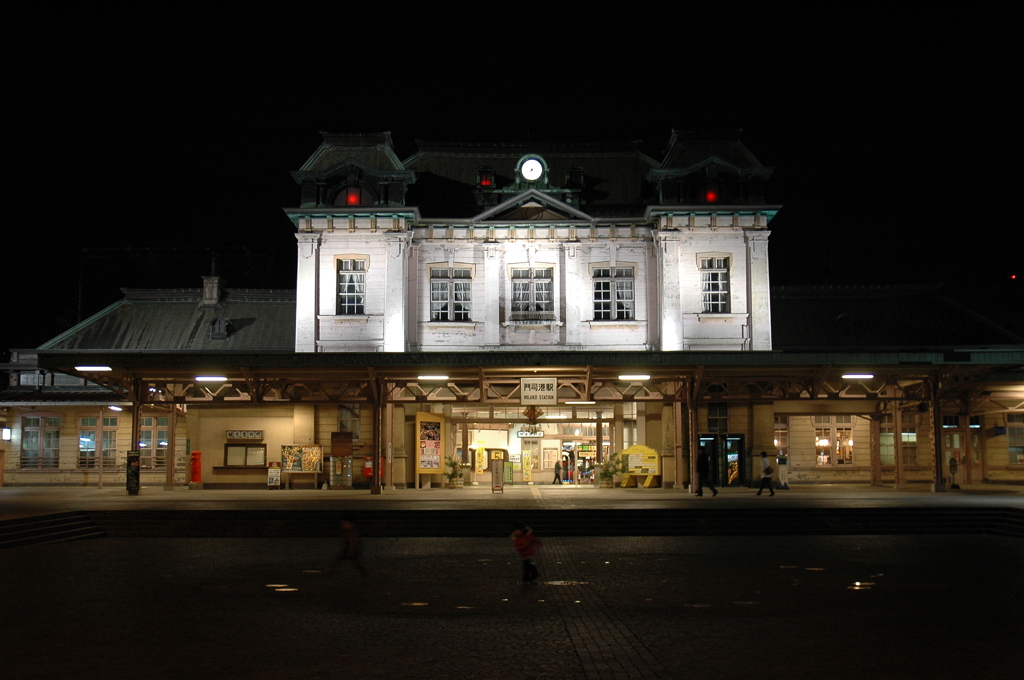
(530, 267)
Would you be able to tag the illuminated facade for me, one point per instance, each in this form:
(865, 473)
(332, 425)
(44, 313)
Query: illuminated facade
(438, 297)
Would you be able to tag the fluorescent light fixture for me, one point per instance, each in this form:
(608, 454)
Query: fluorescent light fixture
(431, 377)
(557, 416)
(210, 378)
(581, 402)
(93, 368)
(5, 434)
(858, 376)
(114, 408)
(634, 376)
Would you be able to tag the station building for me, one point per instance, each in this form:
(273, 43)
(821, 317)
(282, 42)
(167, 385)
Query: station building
(545, 304)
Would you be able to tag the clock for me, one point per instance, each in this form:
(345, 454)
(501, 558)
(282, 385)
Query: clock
(531, 169)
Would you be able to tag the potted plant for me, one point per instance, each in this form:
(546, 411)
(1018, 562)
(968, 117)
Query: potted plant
(454, 473)
(614, 465)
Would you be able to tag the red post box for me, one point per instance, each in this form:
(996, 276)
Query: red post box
(197, 466)
(367, 467)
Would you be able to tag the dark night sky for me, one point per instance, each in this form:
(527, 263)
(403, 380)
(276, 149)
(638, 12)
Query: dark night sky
(892, 145)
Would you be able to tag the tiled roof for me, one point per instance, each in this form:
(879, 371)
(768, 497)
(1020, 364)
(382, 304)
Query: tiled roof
(859, 317)
(169, 320)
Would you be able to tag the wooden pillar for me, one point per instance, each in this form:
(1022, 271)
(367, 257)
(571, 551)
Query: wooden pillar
(171, 457)
(683, 462)
(378, 442)
(897, 421)
(876, 450)
(389, 434)
(939, 478)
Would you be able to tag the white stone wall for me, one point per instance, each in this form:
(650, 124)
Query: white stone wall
(667, 285)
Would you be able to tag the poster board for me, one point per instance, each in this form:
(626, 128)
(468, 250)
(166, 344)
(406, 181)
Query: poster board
(302, 458)
(642, 460)
(431, 435)
(274, 476)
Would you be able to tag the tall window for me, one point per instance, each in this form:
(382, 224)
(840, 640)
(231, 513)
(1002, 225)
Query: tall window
(451, 292)
(781, 435)
(40, 442)
(532, 294)
(714, 284)
(153, 441)
(833, 439)
(351, 286)
(613, 293)
(909, 438)
(1015, 433)
(718, 417)
(91, 433)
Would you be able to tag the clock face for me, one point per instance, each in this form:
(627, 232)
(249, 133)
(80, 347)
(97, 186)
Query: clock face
(531, 169)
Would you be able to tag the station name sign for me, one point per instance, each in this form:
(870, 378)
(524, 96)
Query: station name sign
(245, 434)
(534, 391)
(523, 434)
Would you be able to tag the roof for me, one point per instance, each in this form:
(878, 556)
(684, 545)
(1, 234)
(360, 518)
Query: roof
(176, 320)
(447, 174)
(867, 317)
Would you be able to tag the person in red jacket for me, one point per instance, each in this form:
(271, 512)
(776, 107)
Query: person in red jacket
(526, 544)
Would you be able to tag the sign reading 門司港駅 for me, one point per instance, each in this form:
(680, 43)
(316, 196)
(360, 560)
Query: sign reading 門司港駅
(538, 391)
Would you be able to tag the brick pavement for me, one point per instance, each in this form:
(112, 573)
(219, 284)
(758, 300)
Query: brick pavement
(940, 607)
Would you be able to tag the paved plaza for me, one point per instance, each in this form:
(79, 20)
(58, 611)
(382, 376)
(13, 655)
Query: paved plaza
(792, 607)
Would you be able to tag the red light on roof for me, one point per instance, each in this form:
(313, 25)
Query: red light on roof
(352, 197)
(485, 181)
(711, 196)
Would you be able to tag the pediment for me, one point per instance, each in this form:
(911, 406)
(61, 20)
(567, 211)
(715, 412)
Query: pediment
(532, 206)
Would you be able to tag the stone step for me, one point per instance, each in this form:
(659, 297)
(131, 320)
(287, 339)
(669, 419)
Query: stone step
(56, 528)
(497, 523)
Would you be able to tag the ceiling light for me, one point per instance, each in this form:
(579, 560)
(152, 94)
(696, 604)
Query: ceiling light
(858, 376)
(581, 402)
(93, 368)
(431, 377)
(210, 378)
(634, 376)
(115, 408)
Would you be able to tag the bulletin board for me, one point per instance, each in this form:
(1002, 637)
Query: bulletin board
(431, 436)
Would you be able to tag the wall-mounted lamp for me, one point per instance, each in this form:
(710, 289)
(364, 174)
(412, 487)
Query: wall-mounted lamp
(5, 434)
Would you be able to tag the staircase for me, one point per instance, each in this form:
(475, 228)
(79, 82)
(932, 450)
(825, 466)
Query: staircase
(497, 523)
(58, 528)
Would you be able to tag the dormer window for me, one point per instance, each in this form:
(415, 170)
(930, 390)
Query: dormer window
(353, 195)
(219, 329)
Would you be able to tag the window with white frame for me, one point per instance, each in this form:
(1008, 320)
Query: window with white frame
(533, 294)
(40, 442)
(613, 293)
(92, 432)
(451, 293)
(153, 441)
(1015, 433)
(833, 439)
(351, 286)
(714, 285)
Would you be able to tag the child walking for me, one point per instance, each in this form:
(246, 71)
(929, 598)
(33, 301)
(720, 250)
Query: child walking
(526, 544)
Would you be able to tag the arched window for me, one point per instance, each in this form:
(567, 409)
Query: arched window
(353, 195)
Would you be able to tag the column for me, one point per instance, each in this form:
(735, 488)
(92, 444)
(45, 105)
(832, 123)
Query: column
(395, 296)
(306, 292)
(671, 321)
(759, 290)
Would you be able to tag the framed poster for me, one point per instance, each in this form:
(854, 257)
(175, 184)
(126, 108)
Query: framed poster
(431, 431)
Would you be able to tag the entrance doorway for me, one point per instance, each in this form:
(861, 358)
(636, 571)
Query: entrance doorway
(725, 451)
